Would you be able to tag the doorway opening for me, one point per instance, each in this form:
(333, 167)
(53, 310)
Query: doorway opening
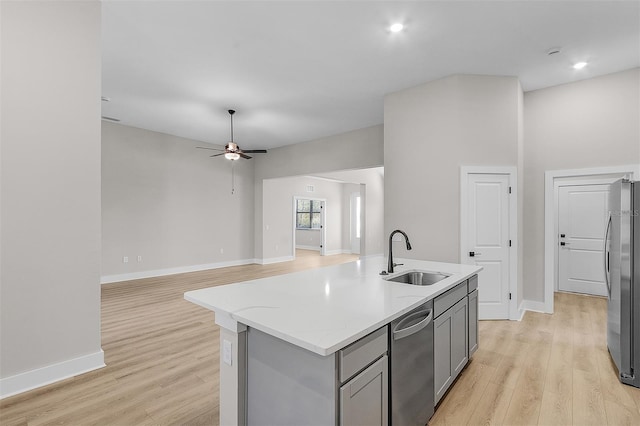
(309, 219)
(575, 189)
(278, 235)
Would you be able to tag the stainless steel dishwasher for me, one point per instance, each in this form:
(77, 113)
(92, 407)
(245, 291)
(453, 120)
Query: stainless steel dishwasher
(412, 385)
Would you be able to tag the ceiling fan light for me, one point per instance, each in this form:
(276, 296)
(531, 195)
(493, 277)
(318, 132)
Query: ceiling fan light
(232, 156)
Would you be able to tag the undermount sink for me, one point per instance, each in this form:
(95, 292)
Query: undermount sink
(419, 278)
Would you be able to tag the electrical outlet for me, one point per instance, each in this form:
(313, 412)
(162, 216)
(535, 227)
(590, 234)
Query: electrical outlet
(276, 247)
(221, 251)
(125, 259)
(226, 352)
(139, 258)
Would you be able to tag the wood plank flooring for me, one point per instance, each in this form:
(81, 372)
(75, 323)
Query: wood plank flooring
(161, 354)
(544, 370)
(162, 363)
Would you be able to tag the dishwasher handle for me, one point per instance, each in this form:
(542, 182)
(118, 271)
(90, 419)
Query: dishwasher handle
(399, 332)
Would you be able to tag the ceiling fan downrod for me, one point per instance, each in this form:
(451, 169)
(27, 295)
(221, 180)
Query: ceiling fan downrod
(231, 112)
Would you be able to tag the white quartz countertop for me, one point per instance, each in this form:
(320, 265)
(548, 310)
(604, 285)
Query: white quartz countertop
(324, 310)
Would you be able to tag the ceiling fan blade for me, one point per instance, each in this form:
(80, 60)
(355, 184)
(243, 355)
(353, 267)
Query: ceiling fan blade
(217, 155)
(244, 155)
(255, 151)
(213, 149)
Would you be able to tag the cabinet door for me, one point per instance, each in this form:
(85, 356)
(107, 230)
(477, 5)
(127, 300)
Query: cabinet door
(443, 373)
(364, 400)
(473, 322)
(459, 336)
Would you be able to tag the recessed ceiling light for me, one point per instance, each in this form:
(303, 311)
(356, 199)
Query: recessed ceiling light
(396, 28)
(579, 65)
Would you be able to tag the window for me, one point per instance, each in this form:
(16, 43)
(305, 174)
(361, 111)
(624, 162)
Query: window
(308, 214)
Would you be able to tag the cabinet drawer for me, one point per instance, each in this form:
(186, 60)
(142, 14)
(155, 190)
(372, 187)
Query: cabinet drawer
(473, 284)
(448, 299)
(360, 354)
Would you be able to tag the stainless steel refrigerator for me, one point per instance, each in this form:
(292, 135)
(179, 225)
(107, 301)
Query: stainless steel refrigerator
(622, 275)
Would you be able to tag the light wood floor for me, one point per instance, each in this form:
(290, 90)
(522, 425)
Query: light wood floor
(162, 363)
(545, 370)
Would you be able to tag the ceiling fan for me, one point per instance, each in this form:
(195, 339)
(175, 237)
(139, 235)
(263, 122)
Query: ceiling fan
(231, 150)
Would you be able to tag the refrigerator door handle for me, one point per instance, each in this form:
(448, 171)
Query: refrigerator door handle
(606, 256)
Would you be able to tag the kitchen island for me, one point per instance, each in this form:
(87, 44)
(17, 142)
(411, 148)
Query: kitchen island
(314, 313)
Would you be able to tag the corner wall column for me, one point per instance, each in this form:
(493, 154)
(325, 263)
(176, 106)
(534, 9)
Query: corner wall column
(233, 374)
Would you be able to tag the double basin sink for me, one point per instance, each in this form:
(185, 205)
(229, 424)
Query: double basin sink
(418, 278)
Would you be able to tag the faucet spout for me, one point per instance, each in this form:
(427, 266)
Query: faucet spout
(390, 264)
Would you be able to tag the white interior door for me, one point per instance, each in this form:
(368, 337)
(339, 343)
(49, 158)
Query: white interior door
(582, 215)
(488, 241)
(356, 226)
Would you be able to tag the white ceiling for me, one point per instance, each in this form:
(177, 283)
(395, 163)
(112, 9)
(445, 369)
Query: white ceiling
(300, 70)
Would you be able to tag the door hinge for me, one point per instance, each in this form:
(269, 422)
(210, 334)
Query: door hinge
(509, 296)
(509, 243)
(509, 190)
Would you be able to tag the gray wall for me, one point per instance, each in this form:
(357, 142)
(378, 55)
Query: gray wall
(347, 190)
(373, 199)
(358, 149)
(429, 132)
(50, 184)
(591, 123)
(171, 203)
(278, 213)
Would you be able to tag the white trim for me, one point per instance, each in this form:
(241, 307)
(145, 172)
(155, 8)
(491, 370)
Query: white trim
(315, 248)
(107, 279)
(275, 260)
(551, 184)
(43, 376)
(512, 172)
(337, 251)
(531, 305)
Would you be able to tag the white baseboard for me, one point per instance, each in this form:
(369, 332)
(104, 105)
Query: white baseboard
(32, 379)
(531, 305)
(274, 260)
(301, 247)
(106, 279)
(338, 251)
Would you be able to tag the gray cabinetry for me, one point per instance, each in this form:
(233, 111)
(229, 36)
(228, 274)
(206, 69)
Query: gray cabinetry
(288, 385)
(364, 399)
(459, 336)
(455, 333)
(473, 322)
(450, 346)
(443, 373)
